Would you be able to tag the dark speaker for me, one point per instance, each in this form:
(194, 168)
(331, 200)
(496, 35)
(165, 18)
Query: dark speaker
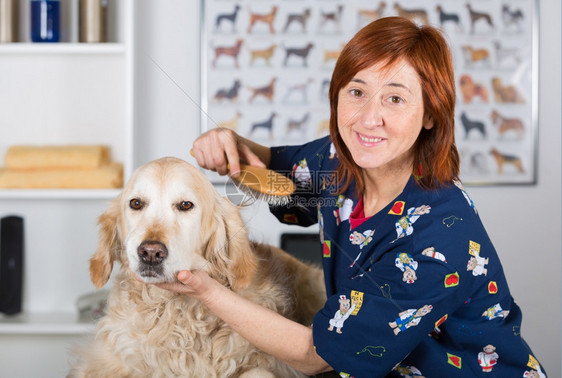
(11, 264)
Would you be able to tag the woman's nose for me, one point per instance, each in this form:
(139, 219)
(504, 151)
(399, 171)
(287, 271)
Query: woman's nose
(371, 115)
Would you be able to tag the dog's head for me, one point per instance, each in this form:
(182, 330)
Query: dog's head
(168, 218)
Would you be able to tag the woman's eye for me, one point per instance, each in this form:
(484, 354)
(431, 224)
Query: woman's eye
(356, 92)
(136, 204)
(185, 205)
(395, 99)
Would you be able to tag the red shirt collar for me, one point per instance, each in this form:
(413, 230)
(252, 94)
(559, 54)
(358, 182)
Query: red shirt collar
(357, 216)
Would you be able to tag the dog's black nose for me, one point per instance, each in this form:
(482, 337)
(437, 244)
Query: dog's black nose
(152, 252)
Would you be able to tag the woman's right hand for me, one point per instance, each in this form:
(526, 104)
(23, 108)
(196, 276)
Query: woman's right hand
(221, 150)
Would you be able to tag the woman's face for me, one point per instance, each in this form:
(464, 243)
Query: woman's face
(380, 116)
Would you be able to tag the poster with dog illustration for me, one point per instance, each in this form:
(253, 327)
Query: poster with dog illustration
(267, 65)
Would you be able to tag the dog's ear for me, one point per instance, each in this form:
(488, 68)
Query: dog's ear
(109, 246)
(229, 250)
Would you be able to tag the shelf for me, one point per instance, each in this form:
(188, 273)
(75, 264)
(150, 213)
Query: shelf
(44, 324)
(65, 93)
(62, 48)
(93, 194)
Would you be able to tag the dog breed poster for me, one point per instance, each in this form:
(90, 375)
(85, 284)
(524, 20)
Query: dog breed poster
(266, 69)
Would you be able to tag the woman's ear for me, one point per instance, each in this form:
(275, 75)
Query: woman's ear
(428, 121)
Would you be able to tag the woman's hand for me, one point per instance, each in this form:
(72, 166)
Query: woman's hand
(196, 284)
(221, 150)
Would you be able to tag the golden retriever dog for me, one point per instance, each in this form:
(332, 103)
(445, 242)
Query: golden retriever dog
(169, 217)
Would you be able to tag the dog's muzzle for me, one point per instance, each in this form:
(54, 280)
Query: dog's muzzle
(151, 256)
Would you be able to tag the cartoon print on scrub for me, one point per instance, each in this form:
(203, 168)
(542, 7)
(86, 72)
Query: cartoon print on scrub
(488, 358)
(374, 351)
(459, 185)
(333, 152)
(450, 221)
(385, 290)
(320, 223)
(534, 374)
(404, 225)
(360, 239)
(495, 311)
(344, 208)
(535, 371)
(408, 371)
(407, 265)
(436, 333)
(302, 175)
(342, 314)
(431, 252)
(476, 264)
(409, 318)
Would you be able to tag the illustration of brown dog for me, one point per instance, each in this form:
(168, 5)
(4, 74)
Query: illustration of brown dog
(472, 55)
(267, 18)
(230, 51)
(365, 16)
(505, 124)
(502, 159)
(298, 18)
(267, 91)
(476, 16)
(470, 89)
(231, 123)
(506, 94)
(331, 55)
(412, 14)
(265, 54)
(334, 17)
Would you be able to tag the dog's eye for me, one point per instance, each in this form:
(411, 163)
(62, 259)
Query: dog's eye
(185, 205)
(136, 204)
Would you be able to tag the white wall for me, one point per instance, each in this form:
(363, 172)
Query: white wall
(523, 221)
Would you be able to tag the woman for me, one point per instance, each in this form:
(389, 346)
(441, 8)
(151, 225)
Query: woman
(415, 287)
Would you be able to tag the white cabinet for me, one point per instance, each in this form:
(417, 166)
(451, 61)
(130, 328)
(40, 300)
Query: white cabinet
(64, 93)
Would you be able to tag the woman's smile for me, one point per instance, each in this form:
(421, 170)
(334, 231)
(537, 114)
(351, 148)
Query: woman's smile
(367, 140)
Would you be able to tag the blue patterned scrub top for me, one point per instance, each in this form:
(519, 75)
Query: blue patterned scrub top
(414, 290)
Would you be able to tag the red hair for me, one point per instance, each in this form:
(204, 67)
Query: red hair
(388, 40)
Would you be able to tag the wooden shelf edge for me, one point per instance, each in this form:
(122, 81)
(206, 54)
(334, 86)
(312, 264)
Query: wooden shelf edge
(44, 324)
(93, 194)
